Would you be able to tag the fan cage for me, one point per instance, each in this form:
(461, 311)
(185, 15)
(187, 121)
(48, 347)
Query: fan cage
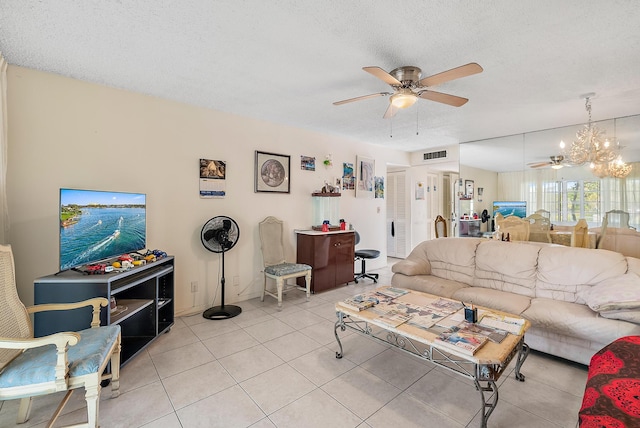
(216, 224)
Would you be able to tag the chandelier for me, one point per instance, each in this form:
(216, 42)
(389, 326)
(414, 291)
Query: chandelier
(591, 146)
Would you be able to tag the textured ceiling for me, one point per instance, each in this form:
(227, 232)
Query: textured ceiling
(286, 61)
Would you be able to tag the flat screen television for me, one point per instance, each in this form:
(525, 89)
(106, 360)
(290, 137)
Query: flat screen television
(507, 208)
(97, 225)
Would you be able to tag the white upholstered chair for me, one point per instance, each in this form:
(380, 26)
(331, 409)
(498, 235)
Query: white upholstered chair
(65, 361)
(275, 265)
(544, 213)
(516, 228)
(614, 219)
(539, 228)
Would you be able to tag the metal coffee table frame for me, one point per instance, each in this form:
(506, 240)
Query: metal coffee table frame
(483, 375)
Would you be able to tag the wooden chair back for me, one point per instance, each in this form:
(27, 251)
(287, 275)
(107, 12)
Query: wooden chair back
(441, 227)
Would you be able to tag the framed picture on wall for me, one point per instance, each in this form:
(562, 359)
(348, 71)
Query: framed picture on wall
(272, 172)
(468, 188)
(365, 185)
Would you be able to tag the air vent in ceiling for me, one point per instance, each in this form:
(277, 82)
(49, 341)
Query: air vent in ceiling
(441, 154)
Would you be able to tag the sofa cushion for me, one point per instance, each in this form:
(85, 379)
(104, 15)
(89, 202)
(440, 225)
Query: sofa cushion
(494, 299)
(428, 284)
(507, 266)
(620, 292)
(450, 258)
(576, 320)
(565, 272)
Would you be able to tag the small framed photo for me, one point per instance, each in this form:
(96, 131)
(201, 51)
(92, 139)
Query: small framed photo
(468, 187)
(272, 172)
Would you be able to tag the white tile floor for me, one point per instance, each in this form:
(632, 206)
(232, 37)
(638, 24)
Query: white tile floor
(267, 368)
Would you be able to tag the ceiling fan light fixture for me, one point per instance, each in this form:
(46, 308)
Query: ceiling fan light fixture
(557, 166)
(404, 98)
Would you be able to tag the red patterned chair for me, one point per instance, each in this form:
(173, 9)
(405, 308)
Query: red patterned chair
(612, 394)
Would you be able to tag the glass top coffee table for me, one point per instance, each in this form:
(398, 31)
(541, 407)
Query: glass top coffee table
(412, 321)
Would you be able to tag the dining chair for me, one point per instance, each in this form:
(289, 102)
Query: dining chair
(616, 218)
(544, 213)
(64, 361)
(516, 228)
(580, 234)
(613, 219)
(539, 228)
(441, 227)
(275, 265)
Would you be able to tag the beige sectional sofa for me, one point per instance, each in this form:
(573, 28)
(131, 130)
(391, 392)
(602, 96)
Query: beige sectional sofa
(577, 299)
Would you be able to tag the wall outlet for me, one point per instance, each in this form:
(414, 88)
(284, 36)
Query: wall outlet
(236, 280)
(194, 286)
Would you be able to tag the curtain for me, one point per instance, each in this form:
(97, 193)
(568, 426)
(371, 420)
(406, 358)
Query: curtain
(540, 189)
(530, 186)
(4, 137)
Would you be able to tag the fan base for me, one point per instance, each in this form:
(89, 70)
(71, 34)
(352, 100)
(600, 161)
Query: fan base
(222, 312)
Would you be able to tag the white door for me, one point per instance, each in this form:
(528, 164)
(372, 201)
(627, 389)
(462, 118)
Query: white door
(396, 214)
(433, 204)
(452, 204)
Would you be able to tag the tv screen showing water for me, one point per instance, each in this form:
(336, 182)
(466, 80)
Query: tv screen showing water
(507, 208)
(97, 225)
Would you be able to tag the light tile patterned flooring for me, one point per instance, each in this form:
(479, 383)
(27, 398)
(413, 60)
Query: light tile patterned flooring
(270, 368)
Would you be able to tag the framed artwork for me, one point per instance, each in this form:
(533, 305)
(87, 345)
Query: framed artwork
(272, 172)
(379, 187)
(468, 188)
(366, 168)
(307, 163)
(348, 179)
(213, 178)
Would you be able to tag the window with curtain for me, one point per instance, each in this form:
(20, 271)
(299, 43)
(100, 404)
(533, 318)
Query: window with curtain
(572, 199)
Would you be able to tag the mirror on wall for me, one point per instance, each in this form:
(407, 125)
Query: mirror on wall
(521, 167)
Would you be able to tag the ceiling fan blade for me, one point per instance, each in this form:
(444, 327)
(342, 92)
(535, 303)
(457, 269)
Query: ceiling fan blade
(538, 164)
(364, 97)
(382, 75)
(452, 100)
(454, 73)
(391, 111)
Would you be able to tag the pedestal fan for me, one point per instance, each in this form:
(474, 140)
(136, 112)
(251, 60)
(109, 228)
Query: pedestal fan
(218, 235)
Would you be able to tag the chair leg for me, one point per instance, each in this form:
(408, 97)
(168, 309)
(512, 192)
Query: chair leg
(307, 283)
(264, 288)
(280, 286)
(63, 403)
(115, 371)
(363, 273)
(24, 410)
(92, 396)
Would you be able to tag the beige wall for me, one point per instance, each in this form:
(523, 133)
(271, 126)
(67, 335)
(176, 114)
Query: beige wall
(68, 133)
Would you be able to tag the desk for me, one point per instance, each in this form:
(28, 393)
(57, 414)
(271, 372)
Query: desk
(483, 368)
(564, 238)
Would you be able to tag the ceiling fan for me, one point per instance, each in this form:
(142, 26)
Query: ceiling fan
(408, 86)
(555, 162)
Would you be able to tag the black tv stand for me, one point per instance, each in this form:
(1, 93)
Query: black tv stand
(144, 297)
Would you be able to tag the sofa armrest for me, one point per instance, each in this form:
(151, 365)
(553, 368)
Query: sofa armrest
(412, 267)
